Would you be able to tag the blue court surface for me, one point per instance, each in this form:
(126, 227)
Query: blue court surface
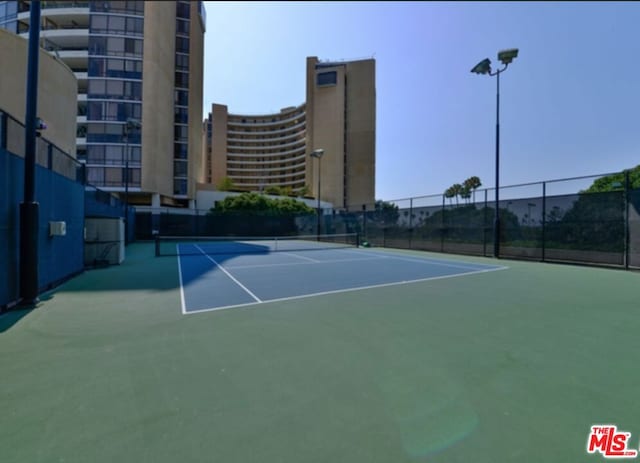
(221, 281)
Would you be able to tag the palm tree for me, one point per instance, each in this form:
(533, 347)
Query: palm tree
(465, 193)
(449, 193)
(473, 183)
(457, 190)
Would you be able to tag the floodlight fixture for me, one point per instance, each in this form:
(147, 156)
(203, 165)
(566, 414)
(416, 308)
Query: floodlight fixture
(507, 56)
(483, 67)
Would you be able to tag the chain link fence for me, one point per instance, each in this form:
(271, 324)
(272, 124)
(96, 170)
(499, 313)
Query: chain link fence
(556, 220)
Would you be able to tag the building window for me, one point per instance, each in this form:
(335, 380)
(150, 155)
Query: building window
(180, 150)
(181, 116)
(182, 79)
(179, 186)
(182, 62)
(95, 175)
(181, 97)
(180, 168)
(183, 10)
(181, 133)
(327, 78)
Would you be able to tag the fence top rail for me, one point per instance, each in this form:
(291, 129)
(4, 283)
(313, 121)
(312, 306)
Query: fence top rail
(44, 139)
(517, 185)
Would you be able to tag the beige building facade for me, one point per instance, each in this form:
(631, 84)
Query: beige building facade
(255, 152)
(133, 60)
(57, 93)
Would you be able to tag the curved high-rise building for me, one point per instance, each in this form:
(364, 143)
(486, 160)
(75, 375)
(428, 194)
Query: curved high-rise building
(255, 152)
(133, 60)
(267, 150)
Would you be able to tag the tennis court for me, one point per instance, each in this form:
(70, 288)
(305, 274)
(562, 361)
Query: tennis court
(469, 363)
(222, 273)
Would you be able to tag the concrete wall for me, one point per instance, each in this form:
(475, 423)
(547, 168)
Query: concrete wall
(361, 134)
(157, 97)
(325, 114)
(219, 143)
(57, 90)
(341, 119)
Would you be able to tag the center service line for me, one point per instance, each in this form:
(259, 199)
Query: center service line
(229, 275)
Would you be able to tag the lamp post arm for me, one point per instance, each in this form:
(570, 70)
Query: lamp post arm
(499, 71)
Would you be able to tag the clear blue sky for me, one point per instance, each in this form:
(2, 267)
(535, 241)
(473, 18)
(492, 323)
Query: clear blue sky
(570, 103)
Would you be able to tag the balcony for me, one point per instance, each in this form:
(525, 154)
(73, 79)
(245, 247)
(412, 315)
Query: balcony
(284, 154)
(252, 186)
(268, 169)
(242, 141)
(237, 120)
(265, 132)
(61, 39)
(268, 147)
(277, 161)
(269, 177)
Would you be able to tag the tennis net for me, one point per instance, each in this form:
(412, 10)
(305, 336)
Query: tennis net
(198, 245)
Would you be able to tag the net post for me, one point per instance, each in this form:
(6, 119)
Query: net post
(357, 240)
(157, 244)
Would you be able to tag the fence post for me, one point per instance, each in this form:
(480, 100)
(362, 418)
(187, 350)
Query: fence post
(364, 220)
(484, 226)
(626, 219)
(442, 227)
(544, 218)
(83, 173)
(49, 156)
(410, 220)
(3, 130)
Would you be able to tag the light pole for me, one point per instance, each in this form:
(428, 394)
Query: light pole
(130, 125)
(484, 67)
(318, 154)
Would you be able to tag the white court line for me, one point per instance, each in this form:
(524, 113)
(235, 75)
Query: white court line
(301, 257)
(184, 308)
(337, 291)
(315, 262)
(427, 261)
(228, 274)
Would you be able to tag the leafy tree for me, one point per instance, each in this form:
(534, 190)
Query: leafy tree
(273, 190)
(386, 213)
(258, 203)
(226, 184)
(304, 191)
(287, 191)
(615, 182)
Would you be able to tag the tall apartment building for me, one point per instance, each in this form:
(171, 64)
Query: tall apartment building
(339, 117)
(138, 60)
